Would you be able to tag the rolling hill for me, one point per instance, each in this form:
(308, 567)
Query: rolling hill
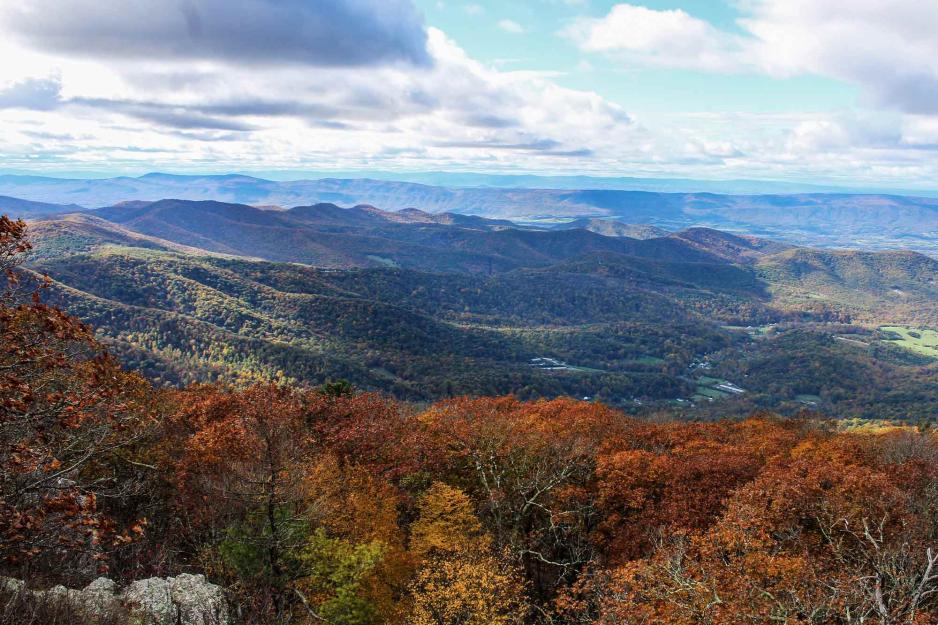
(27, 208)
(362, 236)
(426, 306)
(182, 318)
(614, 228)
(871, 285)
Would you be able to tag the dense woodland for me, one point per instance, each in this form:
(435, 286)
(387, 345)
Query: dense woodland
(426, 307)
(328, 505)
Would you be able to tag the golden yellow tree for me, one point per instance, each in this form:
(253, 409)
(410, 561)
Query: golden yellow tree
(447, 523)
(461, 581)
(468, 589)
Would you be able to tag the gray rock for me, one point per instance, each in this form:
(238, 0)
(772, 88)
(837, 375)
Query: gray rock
(11, 585)
(182, 600)
(100, 597)
(58, 594)
(185, 600)
(152, 601)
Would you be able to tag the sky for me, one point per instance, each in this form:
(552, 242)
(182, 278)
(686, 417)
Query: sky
(817, 91)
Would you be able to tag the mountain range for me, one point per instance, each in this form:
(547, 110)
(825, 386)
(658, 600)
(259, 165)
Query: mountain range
(426, 305)
(870, 221)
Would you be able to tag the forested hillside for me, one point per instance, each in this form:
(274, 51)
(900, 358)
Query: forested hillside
(325, 504)
(430, 306)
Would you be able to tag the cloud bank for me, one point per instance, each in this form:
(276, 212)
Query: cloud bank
(319, 33)
(889, 49)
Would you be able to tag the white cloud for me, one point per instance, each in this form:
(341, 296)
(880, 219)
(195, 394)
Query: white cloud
(920, 131)
(671, 38)
(889, 49)
(449, 110)
(511, 26)
(38, 94)
(846, 132)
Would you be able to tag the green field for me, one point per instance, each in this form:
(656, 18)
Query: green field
(923, 342)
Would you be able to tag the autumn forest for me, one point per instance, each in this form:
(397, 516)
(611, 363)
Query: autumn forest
(469, 312)
(325, 504)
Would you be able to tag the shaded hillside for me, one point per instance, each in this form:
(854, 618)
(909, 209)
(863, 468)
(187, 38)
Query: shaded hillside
(732, 248)
(614, 228)
(77, 233)
(715, 277)
(183, 318)
(872, 285)
(328, 236)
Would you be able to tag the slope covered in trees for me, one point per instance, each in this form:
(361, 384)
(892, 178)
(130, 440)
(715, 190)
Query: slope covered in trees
(419, 335)
(325, 504)
(430, 306)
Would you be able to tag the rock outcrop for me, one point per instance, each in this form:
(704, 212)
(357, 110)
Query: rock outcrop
(185, 600)
(182, 600)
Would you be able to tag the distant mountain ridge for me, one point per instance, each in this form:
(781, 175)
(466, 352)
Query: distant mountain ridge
(28, 208)
(871, 221)
(326, 235)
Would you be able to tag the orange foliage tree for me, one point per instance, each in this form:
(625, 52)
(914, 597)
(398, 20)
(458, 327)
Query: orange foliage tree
(827, 535)
(66, 412)
(530, 467)
(676, 478)
(242, 473)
